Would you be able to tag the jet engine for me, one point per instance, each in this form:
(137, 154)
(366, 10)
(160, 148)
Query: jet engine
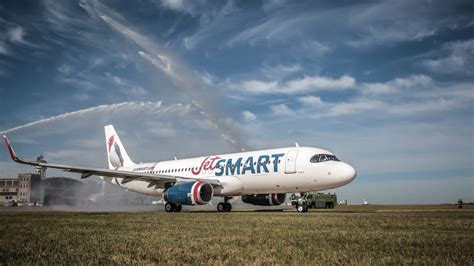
(265, 199)
(189, 193)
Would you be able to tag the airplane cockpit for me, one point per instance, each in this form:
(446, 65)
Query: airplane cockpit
(323, 158)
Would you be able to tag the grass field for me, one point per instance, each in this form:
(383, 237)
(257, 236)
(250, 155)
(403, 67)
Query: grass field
(398, 235)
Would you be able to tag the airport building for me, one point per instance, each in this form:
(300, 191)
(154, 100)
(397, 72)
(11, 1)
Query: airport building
(8, 190)
(29, 188)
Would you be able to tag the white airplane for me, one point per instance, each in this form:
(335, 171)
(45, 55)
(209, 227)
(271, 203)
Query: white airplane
(261, 177)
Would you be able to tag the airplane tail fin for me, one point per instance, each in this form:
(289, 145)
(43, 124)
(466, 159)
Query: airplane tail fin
(116, 153)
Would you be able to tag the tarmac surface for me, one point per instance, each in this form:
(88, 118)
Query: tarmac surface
(151, 208)
(348, 210)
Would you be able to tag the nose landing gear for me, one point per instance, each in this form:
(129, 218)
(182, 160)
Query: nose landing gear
(302, 208)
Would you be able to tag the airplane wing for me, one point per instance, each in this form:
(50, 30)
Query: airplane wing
(156, 180)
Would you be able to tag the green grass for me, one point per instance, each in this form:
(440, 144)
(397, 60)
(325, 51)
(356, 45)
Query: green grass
(431, 237)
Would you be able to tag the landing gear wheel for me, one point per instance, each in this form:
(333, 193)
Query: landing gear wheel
(221, 207)
(302, 208)
(178, 208)
(224, 206)
(170, 207)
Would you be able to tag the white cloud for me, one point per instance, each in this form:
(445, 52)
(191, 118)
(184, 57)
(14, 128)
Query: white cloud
(311, 49)
(449, 64)
(174, 4)
(279, 71)
(281, 109)
(364, 24)
(279, 27)
(319, 83)
(459, 58)
(378, 88)
(295, 86)
(65, 69)
(3, 48)
(257, 87)
(203, 8)
(415, 95)
(311, 100)
(248, 116)
(398, 21)
(354, 107)
(13, 35)
(213, 17)
(16, 34)
(397, 85)
(397, 32)
(412, 81)
(425, 106)
(137, 91)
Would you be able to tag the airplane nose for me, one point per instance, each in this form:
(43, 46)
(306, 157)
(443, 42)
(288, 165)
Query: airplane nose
(348, 173)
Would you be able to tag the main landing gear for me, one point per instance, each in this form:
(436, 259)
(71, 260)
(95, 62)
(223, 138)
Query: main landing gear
(171, 207)
(224, 206)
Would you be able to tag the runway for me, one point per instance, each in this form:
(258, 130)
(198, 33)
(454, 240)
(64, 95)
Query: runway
(350, 210)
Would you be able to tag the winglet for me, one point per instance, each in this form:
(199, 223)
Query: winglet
(10, 149)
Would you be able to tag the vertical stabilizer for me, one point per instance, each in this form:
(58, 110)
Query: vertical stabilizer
(116, 153)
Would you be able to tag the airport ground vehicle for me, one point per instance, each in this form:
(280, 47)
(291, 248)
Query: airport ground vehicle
(314, 200)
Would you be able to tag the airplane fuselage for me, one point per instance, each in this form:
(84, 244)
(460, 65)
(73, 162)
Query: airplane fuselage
(261, 177)
(284, 170)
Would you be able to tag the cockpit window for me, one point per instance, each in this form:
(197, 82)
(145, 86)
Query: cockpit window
(323, 158)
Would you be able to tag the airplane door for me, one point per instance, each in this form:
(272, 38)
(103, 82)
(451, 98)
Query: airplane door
(290, 162)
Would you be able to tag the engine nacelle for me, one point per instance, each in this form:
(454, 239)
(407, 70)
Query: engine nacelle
(265, 199)
(189, 193)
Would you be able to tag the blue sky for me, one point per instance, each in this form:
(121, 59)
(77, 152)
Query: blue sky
(386, 85)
